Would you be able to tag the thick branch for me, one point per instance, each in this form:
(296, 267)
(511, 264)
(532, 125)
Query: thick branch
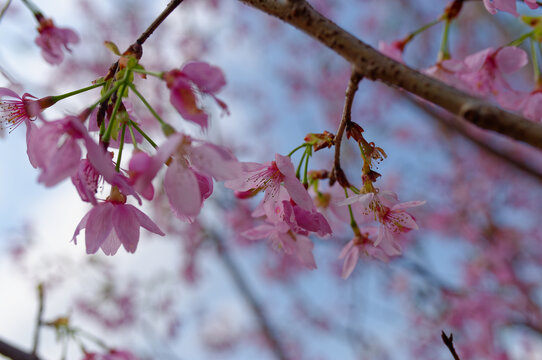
(250, 298)
(14, 353)
(376, 66)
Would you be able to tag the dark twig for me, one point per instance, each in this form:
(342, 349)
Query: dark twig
(449, 342)
(14, 353)
(249, 297)
(168, 10)
(338, 173)
(39, 320)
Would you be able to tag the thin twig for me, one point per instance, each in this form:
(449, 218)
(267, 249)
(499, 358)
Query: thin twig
(39, 320)
(376, 66)
(168, 10)
(15, 353)
(338, 173)
(449, 342)
(249, 297)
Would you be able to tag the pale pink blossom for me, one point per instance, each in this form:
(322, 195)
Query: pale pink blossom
(111, 224)
(52, 40)
(508, 6)
(186, 83)
(85, 180)
(269, 177)
(360, 245)
(484, 71)
(283, 238)
(111, 355)
(187, 181)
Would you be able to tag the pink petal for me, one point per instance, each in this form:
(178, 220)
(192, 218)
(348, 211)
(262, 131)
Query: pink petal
(296, 190)
(258, 232)
(182, 190)
(146, 222)
(209, 159)
(407, 205)
(303, 252)
(510, 59)
(209, 79)
(111, 244)
(98, 227)
(350, 261)
(475, 61)
(184, 100)
(126, 226)
(9, 92)
(63, 163)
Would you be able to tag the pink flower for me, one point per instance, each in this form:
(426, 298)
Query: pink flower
(187, 182)
(393, 50)
(112, 223)
(269, 177)
(52, 39)
(484, 71)
(361, 244)
(85, 180)
(506, 5)
(185, 83)
(18, 110)
(282, 238)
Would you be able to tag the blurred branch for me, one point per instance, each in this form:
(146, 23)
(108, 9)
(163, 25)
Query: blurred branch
(374, 65)
(449, 342)
(11, 352)
(39, 320)
(462, 129)
(249, 297)
(4, 9)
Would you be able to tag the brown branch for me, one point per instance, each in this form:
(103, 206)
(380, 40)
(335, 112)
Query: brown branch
(376, 66)
(449, 342)
(168, 10)
(15, 353)
(460, 127)
(337, 173)
(249, 297)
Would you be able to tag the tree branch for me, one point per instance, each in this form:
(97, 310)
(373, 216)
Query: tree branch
(14, 353)
(461, 128)
(449, 342)
(375, 66)
(249, 297)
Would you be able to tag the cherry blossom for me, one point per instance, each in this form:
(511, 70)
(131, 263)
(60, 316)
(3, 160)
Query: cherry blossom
(113, 223)
(269, 177)
(52, 39)
(183, 83)
(506, 5)
(360, 244)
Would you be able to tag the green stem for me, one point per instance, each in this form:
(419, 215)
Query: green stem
(32, 7)
(534, 58)
(353, 223)
(151, 73)
(134, 141)
(305, 177)
(107, 95)
(75, 92)
(112, 119)
(153, 144)
(153, 112)
(121, 147)
(422, 29)
(298, 170)
(297, 148)
(520, 39)
(444, 52)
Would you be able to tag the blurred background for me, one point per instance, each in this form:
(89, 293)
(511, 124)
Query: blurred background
(204, 290)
